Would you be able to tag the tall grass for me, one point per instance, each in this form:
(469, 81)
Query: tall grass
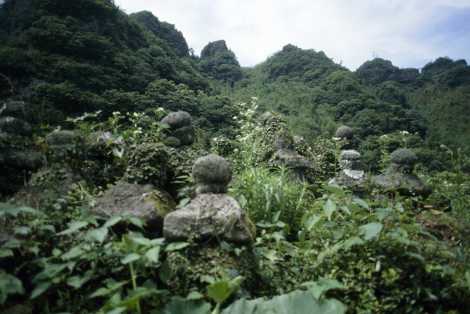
(272, 196)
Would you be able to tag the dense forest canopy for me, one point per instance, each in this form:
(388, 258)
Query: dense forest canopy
(139, 177)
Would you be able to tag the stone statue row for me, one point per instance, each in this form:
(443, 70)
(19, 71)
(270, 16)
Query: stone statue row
(212, 213)
(397, 178)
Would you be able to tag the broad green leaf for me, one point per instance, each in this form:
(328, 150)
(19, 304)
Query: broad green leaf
(219, 291)
(270, 255)
(180, 305)
(73, 253)
(118, 310)
(130, 258)
(361, 203)
(9, 285)
(78, 281)
(176, 246)
(153, 254)
(329, 208)
(371, 230)
(5, 253)
(40, 289)
(136, 222)
(311, 222)
(349, 243)
(14, 210)
(98, 235)
(22, 230)
(111, 287)
(336, 190)
(74, 227)
(383, 213)
(141, 241)
(323, 285)
(194, 295)
(298, 302)
(112, 221)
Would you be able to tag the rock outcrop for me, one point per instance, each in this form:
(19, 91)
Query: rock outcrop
(212, 213)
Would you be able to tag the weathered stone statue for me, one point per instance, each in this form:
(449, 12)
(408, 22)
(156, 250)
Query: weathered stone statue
(345, 135)
(61, 143)
(351, 175)
(399, 176)
(180, 129)
(278, 145)
(212, 213)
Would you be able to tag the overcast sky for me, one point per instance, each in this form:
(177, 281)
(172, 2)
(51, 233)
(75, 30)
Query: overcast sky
(408, 32)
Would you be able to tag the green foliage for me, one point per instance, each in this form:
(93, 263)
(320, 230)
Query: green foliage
(77, 54)
(271, 197)
(293, 62)
(318, 248)
(301, 302)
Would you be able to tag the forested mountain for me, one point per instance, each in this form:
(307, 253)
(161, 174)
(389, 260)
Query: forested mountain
(138, 177)
(316, 95)
(87, 55)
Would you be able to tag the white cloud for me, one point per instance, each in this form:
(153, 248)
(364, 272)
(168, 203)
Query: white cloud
(348, 31)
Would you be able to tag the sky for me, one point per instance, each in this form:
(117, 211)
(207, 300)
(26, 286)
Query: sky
(411, 33)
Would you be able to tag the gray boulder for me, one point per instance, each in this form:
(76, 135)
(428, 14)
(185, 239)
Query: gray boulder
(142, 201)
(207, 216)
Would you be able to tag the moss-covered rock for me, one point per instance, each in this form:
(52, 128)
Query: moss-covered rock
(142, 201)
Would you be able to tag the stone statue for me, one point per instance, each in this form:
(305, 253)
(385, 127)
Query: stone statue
(345, 135)
(399, 175)
(180, 130)
(212, 213)
(351, 175)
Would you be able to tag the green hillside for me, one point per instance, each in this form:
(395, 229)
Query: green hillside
(139, 177)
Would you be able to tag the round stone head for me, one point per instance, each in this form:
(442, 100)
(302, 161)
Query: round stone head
(403, 160)
(344, 133)
(212, 174)
(178, 119)
(350, 159)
